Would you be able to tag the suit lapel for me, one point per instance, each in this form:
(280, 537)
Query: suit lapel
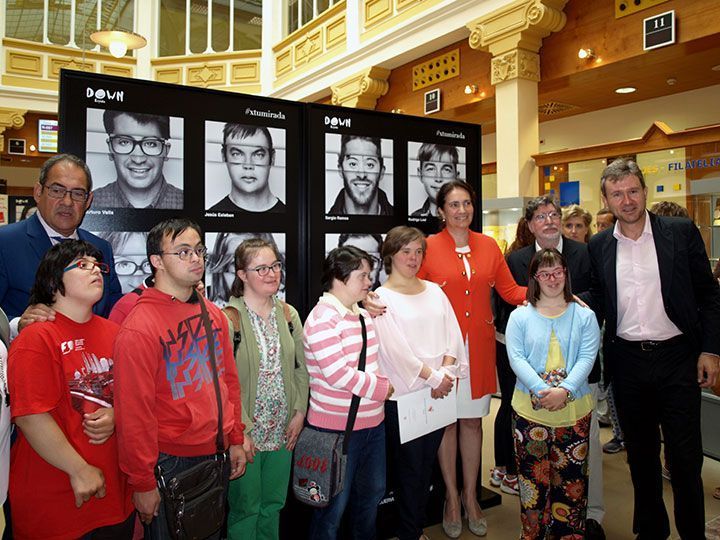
(665, 249)
(609, 259)
(38, 238)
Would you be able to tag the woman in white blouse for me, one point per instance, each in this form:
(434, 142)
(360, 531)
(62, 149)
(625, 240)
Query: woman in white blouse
(421, 350)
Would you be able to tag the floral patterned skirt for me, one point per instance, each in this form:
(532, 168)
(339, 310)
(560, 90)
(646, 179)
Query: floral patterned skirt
(552, 478)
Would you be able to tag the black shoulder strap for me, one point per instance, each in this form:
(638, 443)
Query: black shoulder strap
(234, 314)
(210, 336)
(355, 403)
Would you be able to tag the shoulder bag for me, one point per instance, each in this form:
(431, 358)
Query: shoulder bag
(194, 499)
(320, 456)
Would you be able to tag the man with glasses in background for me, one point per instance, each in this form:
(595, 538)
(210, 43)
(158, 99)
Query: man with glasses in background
(138, 146)
(249, 155)
(63, 194)
(361, 168)
(438, 166)
(543, 216)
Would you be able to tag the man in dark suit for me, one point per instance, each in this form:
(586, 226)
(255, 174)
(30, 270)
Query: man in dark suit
(543, 216)
(652, 281)
(63, 194)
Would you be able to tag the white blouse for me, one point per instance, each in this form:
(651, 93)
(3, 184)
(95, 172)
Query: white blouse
(418, 329)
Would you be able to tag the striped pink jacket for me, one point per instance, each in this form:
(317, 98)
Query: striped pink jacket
(332, 341)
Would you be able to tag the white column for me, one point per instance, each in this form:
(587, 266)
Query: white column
(273, 21)
(353, 23)
(517, 134)
(147, 24)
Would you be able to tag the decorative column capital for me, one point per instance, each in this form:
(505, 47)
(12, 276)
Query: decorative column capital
(515, 64)
(513, 35)
(10, 118)
(361, 90)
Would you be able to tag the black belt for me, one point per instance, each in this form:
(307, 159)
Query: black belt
(652, 345)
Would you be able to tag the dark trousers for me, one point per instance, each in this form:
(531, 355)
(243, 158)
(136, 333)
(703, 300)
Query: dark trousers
(504, 444)
(120, 531)
(412, 467)
(172, 465)
(656, 388)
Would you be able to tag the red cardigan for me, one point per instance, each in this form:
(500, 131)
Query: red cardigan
(471, 299)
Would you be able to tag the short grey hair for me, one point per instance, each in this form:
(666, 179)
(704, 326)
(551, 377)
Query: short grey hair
(536, 203)
(619, 169)
(68, 158)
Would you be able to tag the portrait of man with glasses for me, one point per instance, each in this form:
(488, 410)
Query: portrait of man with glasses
(249, 156)
(436, 164)
(361, 167)
(131, 262)
(138, 145)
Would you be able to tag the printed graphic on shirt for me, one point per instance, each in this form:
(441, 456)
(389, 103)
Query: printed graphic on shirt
(66, 347)
(92, 385)
(187, 359)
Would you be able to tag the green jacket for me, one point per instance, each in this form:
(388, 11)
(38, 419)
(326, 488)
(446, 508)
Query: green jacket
(292, 358)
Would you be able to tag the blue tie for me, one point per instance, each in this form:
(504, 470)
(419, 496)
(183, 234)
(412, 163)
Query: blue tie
(60, 239)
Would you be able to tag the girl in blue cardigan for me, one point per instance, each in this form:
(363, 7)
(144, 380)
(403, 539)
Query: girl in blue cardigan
(552, 343)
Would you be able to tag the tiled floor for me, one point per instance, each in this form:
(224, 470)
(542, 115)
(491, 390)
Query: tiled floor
(504, 520)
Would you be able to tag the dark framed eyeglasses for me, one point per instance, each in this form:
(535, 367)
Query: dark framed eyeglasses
(185, 254)
(56, 191)
(264, 270)
(84, 264)
(150, 146)
(128, 268)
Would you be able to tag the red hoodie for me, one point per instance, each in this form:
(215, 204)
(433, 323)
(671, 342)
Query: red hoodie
(164, 394)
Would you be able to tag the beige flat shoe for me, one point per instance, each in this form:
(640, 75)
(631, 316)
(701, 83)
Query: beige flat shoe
(452, 529)
(478, 526)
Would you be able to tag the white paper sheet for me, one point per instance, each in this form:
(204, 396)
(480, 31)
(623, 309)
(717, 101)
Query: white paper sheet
(420, 414)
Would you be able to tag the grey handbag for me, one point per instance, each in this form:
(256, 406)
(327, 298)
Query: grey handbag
(320, 456)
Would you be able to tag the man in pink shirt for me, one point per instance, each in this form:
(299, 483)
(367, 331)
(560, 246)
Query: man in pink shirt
(651, 280)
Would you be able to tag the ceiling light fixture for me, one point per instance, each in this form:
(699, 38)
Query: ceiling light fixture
(625, 90)
(118, 42)
(586, 54)
(471, 89)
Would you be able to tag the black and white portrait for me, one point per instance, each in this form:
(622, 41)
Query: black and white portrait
(135, 159)
(130, 254)
(220, 262)
(358, 175)
(430, 166)
(370, 243)
(244, 168)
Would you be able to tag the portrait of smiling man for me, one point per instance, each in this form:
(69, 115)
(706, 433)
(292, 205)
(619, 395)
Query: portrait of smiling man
(138, 145)
(249, 155)
(361, 168)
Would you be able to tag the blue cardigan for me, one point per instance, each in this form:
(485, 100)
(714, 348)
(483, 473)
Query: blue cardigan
(528, 339)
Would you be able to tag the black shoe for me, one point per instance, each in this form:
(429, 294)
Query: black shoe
(593, 530)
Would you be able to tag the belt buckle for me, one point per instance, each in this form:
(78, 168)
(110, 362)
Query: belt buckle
(648, 346)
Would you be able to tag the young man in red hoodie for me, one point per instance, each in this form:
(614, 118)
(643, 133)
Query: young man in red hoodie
(166, 405)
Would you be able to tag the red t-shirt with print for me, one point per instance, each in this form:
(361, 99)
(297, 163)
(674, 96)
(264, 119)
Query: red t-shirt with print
(63, 368)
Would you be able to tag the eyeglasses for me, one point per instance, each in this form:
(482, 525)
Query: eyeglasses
(264, 269)
(56, 191)
(240, 154)
(85, 264)
(438, 168)
(555, 274)
(150, 146)
(357, 163)
(128, 268)
(185, 254)
(539, 218)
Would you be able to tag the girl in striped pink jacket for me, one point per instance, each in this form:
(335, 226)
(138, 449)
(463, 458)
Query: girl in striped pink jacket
(332, 342)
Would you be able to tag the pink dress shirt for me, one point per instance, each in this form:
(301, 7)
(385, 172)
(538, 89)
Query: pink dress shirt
(641, 312)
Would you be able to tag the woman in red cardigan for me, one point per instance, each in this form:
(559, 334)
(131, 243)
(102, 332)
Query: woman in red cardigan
(467, 265)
